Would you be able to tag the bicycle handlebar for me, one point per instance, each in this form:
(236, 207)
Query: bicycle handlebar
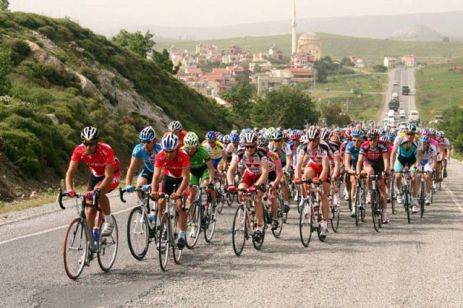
(61, 195)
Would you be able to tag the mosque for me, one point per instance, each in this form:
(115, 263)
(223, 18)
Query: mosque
(308, 43)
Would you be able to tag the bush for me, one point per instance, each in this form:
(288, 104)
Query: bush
(55, 76)
(20, 50)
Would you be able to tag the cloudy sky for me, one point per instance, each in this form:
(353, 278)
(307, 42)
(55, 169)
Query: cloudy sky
(210, 13)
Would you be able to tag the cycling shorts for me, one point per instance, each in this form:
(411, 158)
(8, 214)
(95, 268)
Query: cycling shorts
(377, 165)
(94, 180)
(198, 174)
(148, 175)
(170, 184)
(215, 162)
(401, 162)
(250, 178)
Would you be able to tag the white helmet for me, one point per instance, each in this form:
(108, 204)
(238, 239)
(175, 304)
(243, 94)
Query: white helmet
(191, 139)
(250, 137)
(89, 133)
(169, 142)
(175, 126)
(313, 132)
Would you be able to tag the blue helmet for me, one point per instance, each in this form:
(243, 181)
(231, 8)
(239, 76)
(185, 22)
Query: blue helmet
(211, 136)
(147, 134)
(234, 137)
(388, 137)
(357, 133)
(424, 138)
(169, 142)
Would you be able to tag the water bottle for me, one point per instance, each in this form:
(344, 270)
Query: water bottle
(96, 237)
(152, 216)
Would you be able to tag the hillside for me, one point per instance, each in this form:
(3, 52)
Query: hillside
(338, 46)
(64, 77)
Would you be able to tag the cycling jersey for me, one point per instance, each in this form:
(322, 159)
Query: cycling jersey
(429, 153)
(139, 152)
(172, 168)
(97, 161)
(252, 163)
(231, 149)
(316, 156)
(371, 154)
(199, 158)
(353, 152)
(285, 150)
(407, 149)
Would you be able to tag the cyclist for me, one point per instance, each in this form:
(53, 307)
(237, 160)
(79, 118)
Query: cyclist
(350, 162)
(274, 177)
(255, 175)
(215, 148)
(172, 176)
(407, 153)
(283, 151)
(176, 128)
(201, 169)
(313, 162)
(428, 164)
(144, 152)
(335, 162)
(104, 175)
(374, 159)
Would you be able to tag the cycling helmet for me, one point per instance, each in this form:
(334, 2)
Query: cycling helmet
(226, 139)
(234, 138)
(325, 134)
(277, 135)
(175, 126)
(147, 134)
(357, 133)
(89, 133)
(263, 142)
(303, 139)
(294, 135)
(211, 136)
(372, 133)
(191, 139)
(250, 138)
(169, 142)
(411, 128)
(313, 132)
(440, 134)
(424, 139)
(388, 137)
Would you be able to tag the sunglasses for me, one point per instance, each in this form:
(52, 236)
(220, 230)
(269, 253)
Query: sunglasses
(148, 141)
(171, 151)
(410, 134)
(277, 140)
(356, 140)
(249, 146)
(313, 139)
(89, 144)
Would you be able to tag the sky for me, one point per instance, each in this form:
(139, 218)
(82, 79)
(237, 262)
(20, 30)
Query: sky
(212, 13)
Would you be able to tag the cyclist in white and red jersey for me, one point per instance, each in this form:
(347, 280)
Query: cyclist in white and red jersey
(283, 150)
(172, 166)
(104, 175)
(335, 163)
(313, 159)
(255, 175)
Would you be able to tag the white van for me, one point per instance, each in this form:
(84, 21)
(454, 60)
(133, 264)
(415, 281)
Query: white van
(391, 113)
(402, 114)
(413, 116)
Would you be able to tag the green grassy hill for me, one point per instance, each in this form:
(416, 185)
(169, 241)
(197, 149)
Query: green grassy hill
(338, 46)
(64, 77)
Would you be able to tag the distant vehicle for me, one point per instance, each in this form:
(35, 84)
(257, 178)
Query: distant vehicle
(396, 83)
(391, 113)
(394, 104)
(402, 114)
(395, 95)
(405, 90)
(413, 116)
(391, 121)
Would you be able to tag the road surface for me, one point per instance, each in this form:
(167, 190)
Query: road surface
(417, 264)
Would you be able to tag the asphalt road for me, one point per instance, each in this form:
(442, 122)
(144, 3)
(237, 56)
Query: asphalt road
(417, 264)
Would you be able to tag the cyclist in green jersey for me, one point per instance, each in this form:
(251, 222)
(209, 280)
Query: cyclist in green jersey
(201, 168)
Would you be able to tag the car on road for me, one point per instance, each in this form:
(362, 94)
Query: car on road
(396, 83)
(413, 116)
(402, 114)
(391, 113)
(405, 90)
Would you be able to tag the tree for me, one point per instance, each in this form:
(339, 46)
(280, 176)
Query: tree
(5, 69)
(4, 4)
(136, 42)
(286, 107)
(347, 62)
(453, 121)
(334, 115)
(380, 68)
(163, 60)
(240, 96)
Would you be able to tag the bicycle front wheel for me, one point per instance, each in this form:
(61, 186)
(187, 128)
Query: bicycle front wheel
(306, 223)
(422, 198)
(108, 248)
(75, 251)
(210, 220)
(334, 216)
(137, 233)
(239, 231)
(193, 226)
(164, 242)
(375, 211)
(281, 218)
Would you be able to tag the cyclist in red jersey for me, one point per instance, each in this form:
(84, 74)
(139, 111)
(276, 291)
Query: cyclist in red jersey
(104, 174)
(172, 167)
(176, 128)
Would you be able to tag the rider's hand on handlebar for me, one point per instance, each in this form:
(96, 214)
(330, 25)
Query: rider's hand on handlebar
(155, 195)
(129, 188)
(231, 188)
(71, 193)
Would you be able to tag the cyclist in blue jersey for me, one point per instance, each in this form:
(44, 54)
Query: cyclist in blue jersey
(144, 152)
(350, 162)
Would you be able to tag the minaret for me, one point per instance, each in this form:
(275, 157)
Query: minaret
(293, 45)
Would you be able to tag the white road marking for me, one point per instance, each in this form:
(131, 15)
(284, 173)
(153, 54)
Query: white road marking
(454, 198)
(49, 230)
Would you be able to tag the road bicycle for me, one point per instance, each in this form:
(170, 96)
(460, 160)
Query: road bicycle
(80, 246)
(310, 216)
(360, 203)
(268, 216)
(142, 223)
(376, 208)
(406, 193)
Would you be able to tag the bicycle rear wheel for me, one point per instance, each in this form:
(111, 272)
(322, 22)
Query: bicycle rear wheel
(407, 206)
(193, 226)
(173, 227)
(137, 233)
(376, 214)
(209, 224)
(75, 251)
(164, 241)
(258, 244)
(393, 196)
(422, 197)
(306, 223)
(108, 248)
(281, 219)
(239, 230)
(220, 199)
(334, 216)
(358, 200)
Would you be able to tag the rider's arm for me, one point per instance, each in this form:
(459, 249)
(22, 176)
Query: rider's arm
(211, 170)
(156, 179)
(337, 162)
(359, 164)
(263, 177)
(326, 168)
(347, 163)
(279, 171)
(185, 180)
(231, 170)
(419, 157)
(73, 164)
(108, 176)
(300, 159)
(393, 156)
(289, 162)
(134, 162)
(386, 162)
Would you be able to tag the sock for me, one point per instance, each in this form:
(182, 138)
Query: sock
(181, 234)
(108, 218)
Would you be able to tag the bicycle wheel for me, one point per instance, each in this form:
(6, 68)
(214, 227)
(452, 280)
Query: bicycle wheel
(164, 241)
(108, 248)
(334, 216)
(229, 198)
(358, 199)
(407, 205)
(363, 208)
(173, 227)
(239, 230)
(281, 219)
(193, 226)
(393, 196)
(137, 233)
(220, 199)
(376, 211)
(306, 223)
(281, 205)
(422, 197)
(258, 244)
(298, 198)
(75, 251)
(209, 223)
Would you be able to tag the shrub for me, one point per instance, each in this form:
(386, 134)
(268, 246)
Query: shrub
(20, 50)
